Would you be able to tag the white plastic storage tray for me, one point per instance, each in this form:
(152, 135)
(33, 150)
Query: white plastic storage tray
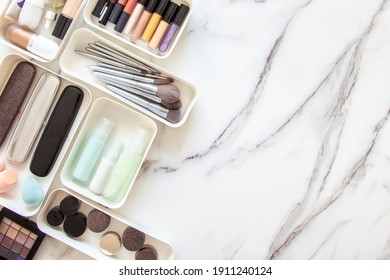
(126, 122)
(13, 198)
(88, 243)
(76, 66)
(109, 30)
(4, 21)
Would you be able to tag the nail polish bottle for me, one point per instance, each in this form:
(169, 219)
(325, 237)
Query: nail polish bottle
(128, 164)
(174, 28)
(163, 26)
(154, 21)
(92, 150)
(143, 21)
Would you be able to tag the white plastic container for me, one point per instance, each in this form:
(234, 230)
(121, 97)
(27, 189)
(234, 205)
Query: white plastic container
(13, 198)
(126, 122)
(75, 65)
(109, 30)
(40, 30)
(88, 243)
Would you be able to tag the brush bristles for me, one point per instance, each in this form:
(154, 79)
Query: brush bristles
(172, 106)
(161, 81)
(173, 116)
(170, 93)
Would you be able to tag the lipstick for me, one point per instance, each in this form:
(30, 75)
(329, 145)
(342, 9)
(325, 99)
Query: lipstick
(143, 21)
(116, 13)
(107, 11)
(154, 21)
(124, 17)
(97, 11)
(138, 10)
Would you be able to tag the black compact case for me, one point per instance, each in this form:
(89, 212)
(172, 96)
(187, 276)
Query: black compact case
(56, 131)
(20, 238)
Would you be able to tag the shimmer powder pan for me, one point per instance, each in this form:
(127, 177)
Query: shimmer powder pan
(20, 238)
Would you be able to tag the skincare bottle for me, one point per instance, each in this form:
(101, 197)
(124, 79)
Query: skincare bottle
(14, 9)
(128, 164)
(53, 6)
(31, 13)
(103, 171)
(92, 150)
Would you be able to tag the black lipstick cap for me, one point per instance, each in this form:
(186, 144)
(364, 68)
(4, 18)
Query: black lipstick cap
(181, 14)
(97, 11)
(116, 13)
(61, 27)
(161, 7)
(151, 5)
(170, 11)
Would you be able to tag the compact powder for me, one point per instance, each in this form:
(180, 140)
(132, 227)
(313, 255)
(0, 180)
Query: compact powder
(98, 221)
(147, 252)
(70, 205)
(133, 239)
(75, 225)
(110, 243)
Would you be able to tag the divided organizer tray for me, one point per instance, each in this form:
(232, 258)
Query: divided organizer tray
(88, 243)
(4, 21)
(78, 67)
(13, 198)
(109, 29)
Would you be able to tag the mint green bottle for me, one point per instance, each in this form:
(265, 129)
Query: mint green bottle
(126, 167)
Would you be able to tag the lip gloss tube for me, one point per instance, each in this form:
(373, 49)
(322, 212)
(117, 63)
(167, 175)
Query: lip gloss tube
(154, 21)
(174, 28)
(107, 11)
(100, 5)
(163, 26)
(125, 15)
(143, 21)
(138, 10)
(117, 11)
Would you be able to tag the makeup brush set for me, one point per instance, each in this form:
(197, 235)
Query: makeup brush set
(135, 81)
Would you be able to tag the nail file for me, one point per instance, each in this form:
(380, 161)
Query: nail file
(56, 131)
(13, 96)
(32, 119)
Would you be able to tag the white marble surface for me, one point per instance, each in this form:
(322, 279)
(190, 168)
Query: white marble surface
(286, 154)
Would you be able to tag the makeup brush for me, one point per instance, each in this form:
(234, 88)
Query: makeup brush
(173, 116)
(171, 106)
(169, 93)
(130, 71)
(157, 81)
(111, 62)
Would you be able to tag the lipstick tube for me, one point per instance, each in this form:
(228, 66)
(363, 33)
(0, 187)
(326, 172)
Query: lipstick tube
(138, 10)
(65, 19)
(107, 11)
(100, 5)
(154, 21)
(174, 28)
(163, 26)
(143, 21)
(125, 15)
(116, 13)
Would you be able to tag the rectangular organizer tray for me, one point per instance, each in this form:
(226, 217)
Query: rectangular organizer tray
(88, 243)
(13, 198)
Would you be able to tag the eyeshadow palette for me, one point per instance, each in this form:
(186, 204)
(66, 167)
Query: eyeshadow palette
(19, 237)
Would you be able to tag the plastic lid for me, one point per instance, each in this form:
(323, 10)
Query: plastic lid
(151, 5)
(169, 12)
(43, 47)
(103, 129)
(139, 141)
(181, 14)
(113, 153)
(49, 16)
(161, 7)
(142, 2)
(38, 3)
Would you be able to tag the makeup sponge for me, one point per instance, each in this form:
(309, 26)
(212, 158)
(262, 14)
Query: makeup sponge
(32, 192)
(98, 221)
(146, 253)
(13, 95)
(133, 239)
(8, 178)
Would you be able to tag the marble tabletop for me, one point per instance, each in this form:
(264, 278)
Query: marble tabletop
(284, 155)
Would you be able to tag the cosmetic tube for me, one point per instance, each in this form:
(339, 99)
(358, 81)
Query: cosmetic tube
(143, 21)
(163, 26)
(14, 8)
(92, 150)
(174, 28)
(103, 171)
(27, 40)
(100, 5)
(107, 11)
(125, 15)
(154, 21)
(31, 13)
(65, 19)
(117, 11)
(133, 20)
(129, 162)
